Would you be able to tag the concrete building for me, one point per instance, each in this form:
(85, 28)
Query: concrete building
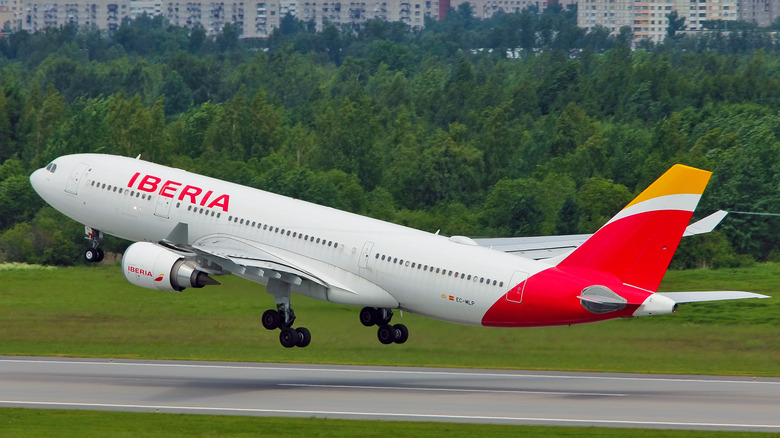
(761, 12)
(355, 13)
(38, 15)
(10, 15)
(254, 19)
(648, 18)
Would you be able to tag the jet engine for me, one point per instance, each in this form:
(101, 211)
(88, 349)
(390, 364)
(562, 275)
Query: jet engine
(154, 267)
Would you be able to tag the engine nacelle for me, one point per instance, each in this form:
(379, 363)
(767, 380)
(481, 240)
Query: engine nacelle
(154, 267)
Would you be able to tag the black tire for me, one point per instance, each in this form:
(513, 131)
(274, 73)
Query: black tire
(304, 337)
(369, 316)
(401, 333)
(90, 255)
(271, 319)
(100, 255)
(386, 334)
(288, 337)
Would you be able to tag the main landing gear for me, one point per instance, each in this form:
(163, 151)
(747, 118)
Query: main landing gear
(94, 253)
(387, 334)
(283, 317)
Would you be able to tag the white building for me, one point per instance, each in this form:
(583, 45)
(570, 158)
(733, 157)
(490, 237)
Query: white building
(761, 12)
(648, 18)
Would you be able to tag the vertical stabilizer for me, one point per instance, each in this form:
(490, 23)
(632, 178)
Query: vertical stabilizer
(637, 245)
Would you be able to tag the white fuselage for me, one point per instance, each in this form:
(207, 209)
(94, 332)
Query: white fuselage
(445, 278)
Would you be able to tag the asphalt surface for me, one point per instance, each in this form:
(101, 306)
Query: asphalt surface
(386, 393)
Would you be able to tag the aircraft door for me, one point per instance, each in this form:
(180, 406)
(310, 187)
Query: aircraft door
(517, 285)
(72, 185)
(163, 207)
(364, 254)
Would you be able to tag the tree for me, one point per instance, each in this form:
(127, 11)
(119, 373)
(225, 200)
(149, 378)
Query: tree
(676, 24)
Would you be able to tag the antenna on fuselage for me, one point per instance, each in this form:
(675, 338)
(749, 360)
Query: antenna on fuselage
(138, 157)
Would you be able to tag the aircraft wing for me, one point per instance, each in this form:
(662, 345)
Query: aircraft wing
(545, 247)
(258, 262)
(695, 297)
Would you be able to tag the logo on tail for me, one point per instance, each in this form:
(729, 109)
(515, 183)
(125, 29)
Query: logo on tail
(637, 245)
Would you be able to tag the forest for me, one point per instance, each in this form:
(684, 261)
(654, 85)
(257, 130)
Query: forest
(522, 124)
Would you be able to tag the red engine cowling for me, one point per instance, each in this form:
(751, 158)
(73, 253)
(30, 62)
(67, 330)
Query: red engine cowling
(154, 267)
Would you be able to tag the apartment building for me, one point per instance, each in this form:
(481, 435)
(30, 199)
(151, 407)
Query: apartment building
(761, 12)
(10, 15)
(105, 14)
(355, 13)
(254, 19)
(648, 18)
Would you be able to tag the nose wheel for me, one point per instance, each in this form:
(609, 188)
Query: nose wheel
(386, 333)
(94, 253)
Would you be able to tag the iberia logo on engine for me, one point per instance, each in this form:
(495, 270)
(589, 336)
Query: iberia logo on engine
(143, 272)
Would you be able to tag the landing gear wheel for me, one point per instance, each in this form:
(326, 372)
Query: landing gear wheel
(91, 255)
(304, 337)
(100, 254)
(369, 316)
(401, 333)
(386, 334)
(288, 337)
(271, 320)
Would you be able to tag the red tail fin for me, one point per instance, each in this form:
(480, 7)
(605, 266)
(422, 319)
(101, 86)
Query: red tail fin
(637, 245)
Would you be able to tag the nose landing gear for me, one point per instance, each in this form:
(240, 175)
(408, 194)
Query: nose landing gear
(94, 253)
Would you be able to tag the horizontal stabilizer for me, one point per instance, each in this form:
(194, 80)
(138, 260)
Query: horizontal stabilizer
(694, 297)
(705, 225)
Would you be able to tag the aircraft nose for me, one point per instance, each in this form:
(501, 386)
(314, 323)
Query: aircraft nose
(36, 180)
(39, 180)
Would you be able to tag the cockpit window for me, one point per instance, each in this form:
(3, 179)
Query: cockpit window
(51, 167)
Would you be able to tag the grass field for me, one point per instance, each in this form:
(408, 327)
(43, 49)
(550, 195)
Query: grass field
(94, 312)
(20, 423)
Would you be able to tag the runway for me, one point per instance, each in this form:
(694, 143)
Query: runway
(386, 393)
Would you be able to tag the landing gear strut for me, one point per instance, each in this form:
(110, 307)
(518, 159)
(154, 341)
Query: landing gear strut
(386, 333)
(94, 253)
(283, 317)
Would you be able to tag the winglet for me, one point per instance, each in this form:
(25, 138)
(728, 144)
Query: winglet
(638, 243)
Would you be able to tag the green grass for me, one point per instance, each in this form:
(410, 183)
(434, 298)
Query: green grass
(36, 423)
(94, 312)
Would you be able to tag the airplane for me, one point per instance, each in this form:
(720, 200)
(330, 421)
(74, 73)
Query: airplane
(189, 228)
